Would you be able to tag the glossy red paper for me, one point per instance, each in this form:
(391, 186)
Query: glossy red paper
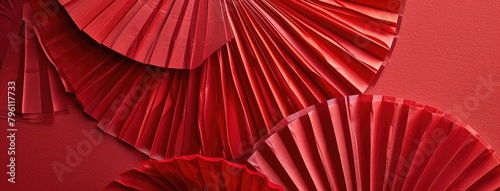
(375, 143)
(171, 34)
(192, 173)
(38, 91)
(222, 107)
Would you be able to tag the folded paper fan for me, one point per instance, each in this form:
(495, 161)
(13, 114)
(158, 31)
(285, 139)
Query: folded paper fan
(337, 43)
(222, 107)
(375, 143)
(165, 33)
(191, 173)
(27, 76)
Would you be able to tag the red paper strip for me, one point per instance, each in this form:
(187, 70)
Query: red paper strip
(375, 143)
(192, 173)
(38, 91)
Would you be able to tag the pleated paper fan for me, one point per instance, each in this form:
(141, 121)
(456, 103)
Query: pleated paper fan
(375, 143)
(221, 108)
(165, 33)
(343, 43)
(26, 75)
(192, 173)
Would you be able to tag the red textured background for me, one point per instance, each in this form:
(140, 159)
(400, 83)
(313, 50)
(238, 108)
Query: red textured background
(443, 50)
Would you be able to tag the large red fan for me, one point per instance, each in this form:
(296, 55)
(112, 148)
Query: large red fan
(375, 143)
(191, 173)
(279, 62)
(164, 33)
(27, 76)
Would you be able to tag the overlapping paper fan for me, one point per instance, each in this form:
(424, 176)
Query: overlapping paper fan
(270, 70)
(26, 75)
(165, 33)
(375, 143)
(191, 173)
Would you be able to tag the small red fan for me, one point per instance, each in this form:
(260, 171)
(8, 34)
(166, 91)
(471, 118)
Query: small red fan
(273, 68)
(192, 173)
(375, 143)
(165, 33)
(28, 80)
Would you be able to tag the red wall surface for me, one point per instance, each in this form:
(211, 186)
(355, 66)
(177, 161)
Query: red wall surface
(446, 54)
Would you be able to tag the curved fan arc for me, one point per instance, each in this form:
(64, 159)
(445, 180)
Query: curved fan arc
(375, 143)
(192, 173)
(164, 33)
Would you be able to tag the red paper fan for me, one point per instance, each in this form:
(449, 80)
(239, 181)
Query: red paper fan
(375, 143)
(222, 107)
(191, 173)
(164, 33)
(26, 73)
